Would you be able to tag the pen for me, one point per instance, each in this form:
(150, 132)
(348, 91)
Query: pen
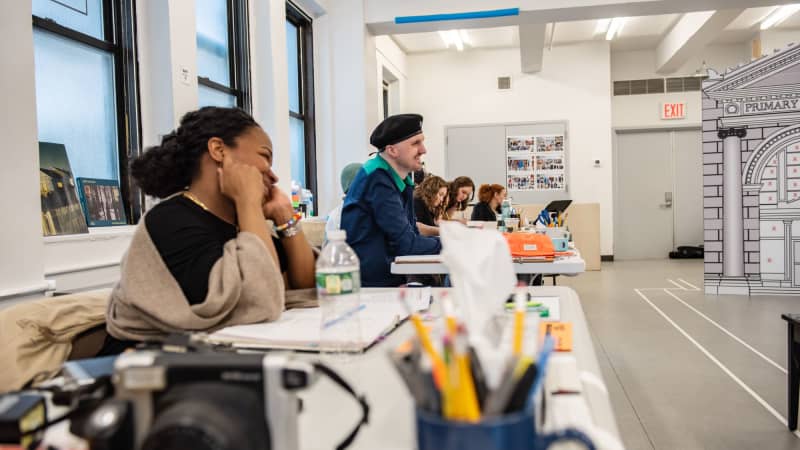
(345, 315)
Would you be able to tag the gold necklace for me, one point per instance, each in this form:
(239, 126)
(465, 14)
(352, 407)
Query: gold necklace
(194, 199)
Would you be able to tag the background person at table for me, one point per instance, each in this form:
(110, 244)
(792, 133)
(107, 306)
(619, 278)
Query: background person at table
(203, 258)
(460, 192)
(346, 178)
(378, 212)
(429, 199)
(490, 197)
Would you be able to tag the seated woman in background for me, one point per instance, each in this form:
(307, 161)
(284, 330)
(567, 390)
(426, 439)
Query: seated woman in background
(460, 192)
(203, 258)
(429, 198)
(490, 197)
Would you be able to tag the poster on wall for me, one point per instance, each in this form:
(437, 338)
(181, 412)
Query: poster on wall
(535, 163)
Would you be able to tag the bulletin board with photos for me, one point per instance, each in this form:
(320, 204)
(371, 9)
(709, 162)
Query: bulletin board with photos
(535, 163)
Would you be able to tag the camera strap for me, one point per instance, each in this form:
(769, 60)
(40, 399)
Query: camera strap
(330, 373)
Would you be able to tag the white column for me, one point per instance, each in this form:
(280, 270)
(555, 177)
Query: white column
(22, 255)
(270, 81)
(732, 224)
(788, 257)
(167, 55)
(347, 102)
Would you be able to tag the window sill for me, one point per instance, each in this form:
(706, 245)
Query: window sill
(95, 234)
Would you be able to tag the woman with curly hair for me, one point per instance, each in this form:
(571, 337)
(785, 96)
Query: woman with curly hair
(204, 258)
(460, 192)
(429, 202)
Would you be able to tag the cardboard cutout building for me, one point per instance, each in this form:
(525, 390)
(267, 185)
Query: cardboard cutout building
(751, 167)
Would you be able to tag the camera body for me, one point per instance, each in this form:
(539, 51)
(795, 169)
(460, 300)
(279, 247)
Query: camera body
(199, 400)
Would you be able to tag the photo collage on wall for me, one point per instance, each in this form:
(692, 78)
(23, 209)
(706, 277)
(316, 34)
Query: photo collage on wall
(535, 163)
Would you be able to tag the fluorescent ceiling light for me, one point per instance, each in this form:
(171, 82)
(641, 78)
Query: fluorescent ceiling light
(779, 15)
(455, 38)
(615, 27)
(465, 37)
(602, 26)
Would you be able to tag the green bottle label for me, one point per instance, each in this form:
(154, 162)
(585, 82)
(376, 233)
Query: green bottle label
(338, 283)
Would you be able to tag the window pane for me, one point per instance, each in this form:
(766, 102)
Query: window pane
(85, 16)
(212, 41)
(75, 104)
(297, 142)
(212, 97)
(292, 49)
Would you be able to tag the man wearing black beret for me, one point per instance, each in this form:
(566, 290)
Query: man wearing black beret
(378, 212)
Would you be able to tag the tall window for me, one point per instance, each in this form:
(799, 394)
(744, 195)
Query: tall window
(222, 64)
(86, 87)
(299, 49)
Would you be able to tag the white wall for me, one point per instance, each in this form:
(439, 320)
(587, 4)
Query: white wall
(459, 88)
(643, 111)
(772, 39)
(392, 59)
(21, 254)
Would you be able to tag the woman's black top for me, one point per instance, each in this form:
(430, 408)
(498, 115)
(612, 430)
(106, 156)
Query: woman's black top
(483, 212)
(190, 241)
(424, 215)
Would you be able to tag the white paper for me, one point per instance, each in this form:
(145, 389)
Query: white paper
(299, 329)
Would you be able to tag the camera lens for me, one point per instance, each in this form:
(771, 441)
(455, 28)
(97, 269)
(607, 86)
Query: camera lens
(209, 416)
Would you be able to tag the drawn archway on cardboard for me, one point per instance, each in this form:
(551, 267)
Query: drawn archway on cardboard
(761, 157)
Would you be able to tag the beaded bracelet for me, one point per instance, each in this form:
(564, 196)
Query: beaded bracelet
(292, 222)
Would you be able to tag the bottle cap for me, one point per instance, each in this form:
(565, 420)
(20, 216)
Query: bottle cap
(337, 235)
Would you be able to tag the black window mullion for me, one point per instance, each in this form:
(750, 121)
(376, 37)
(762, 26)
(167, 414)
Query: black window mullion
(217, 86)
(52, 26)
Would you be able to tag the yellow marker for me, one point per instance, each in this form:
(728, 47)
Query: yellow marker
(465, 391)
(519, 321)
(439, 370)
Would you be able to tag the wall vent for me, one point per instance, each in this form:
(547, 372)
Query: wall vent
(657, 85)
(504, 83)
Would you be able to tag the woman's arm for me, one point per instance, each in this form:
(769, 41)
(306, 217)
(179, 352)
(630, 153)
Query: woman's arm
(300, 273)
(427, 230)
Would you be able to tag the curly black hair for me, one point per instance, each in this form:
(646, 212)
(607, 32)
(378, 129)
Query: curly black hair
(170, 167)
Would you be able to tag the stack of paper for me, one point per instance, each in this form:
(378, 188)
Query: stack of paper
(299, 329)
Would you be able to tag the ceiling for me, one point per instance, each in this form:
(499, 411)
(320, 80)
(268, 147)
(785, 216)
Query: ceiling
(639, 33)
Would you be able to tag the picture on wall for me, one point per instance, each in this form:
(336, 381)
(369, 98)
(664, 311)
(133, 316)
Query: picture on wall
(519, 144)
(535, 163)
(61, 208)
(517, 164)
(102, 202)
(550, 163)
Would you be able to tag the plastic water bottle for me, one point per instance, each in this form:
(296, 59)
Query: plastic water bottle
(506, 209)
(338, 286)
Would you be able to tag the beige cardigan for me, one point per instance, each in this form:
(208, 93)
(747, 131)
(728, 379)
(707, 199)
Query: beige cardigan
(245, 286)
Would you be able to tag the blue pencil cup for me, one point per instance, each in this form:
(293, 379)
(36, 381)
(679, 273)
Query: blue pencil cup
(510, 432)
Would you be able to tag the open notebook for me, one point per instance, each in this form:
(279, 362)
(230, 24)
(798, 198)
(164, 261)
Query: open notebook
(299, 329)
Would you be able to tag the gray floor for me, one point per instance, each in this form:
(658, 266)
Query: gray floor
(699, 388)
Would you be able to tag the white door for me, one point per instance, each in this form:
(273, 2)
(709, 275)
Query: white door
(688, 200)
(643, 225)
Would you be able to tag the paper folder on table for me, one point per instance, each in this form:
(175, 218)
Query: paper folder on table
(299, 329)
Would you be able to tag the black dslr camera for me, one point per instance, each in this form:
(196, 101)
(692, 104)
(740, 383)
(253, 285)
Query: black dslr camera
(199, 401)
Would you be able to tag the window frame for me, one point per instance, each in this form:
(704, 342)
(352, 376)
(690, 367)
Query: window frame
(119, 40)
(305, 63)
(238, 57)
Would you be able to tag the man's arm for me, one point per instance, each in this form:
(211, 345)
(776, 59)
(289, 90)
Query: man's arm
(392, 220)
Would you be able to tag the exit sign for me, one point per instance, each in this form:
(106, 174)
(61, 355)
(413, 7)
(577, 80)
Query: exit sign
(673, 111)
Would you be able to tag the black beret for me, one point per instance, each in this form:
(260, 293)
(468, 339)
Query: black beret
(395, 129)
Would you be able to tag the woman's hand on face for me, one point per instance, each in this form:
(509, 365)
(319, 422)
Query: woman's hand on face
(242, 183)
(278, 207)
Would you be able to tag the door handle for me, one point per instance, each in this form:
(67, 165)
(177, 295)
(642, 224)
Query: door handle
(667, 200)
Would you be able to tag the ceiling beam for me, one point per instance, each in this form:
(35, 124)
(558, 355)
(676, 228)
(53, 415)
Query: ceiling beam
(689, 36)
(380, 15)
(531, 46)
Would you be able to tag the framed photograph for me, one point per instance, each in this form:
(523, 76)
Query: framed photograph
(102, 202)
(61, 207)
